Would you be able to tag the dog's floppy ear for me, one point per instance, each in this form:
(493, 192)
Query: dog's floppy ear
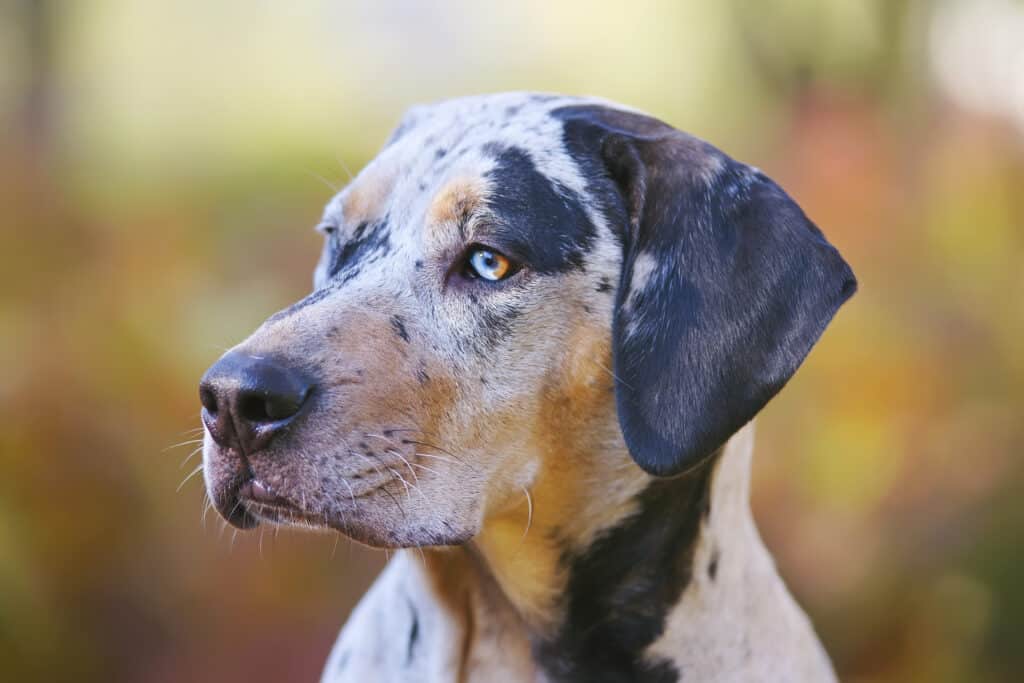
(725, 285)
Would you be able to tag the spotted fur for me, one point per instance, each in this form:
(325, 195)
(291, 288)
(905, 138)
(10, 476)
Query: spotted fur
(565, 447)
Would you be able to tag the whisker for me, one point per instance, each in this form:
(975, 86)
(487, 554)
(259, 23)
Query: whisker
(415, 478)
(207, 504)
(393, 499)
(436, 448)
(612, 374)
(382, 438)
(439, 457)
(424, 467)
(404, 482)
(344, 166)
(179, 445)
(529, 510)
(323, 180)
(190, 456)
(350, 492)
(366, 459)
(191, 474)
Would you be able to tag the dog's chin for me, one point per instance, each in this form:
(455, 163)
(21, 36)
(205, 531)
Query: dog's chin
(371, 535)
(229, 505)
(287, 516)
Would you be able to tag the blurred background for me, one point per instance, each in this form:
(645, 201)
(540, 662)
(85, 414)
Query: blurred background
(161, 168)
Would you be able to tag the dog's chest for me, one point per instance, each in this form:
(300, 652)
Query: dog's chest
(404, 630)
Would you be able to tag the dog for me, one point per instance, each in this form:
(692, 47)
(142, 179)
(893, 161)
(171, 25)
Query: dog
(540, 329)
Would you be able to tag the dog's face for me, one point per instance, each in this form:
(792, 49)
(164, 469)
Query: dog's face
(511, 279)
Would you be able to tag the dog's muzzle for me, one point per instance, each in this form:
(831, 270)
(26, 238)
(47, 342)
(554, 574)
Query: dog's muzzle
(247, 401)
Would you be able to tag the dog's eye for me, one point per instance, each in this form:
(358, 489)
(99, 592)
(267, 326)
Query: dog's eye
(487, 264)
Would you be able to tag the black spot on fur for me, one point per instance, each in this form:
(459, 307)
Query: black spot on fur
(419, 264)
(398, 325)
(539, 221)
(713, 565)
(496, 322)
(369, 242)
(440, 152)
(318, 295)
(414, 633)
(604, 285)
(621, 589)
(421, 376)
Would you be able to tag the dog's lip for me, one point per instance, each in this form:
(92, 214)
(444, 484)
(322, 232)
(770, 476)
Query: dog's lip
(257, 491)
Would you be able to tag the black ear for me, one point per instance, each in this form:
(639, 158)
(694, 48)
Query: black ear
(725, 286)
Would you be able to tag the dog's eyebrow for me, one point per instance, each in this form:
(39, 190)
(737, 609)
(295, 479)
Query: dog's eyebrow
(457, 199)
(453, 207)
(541, 215)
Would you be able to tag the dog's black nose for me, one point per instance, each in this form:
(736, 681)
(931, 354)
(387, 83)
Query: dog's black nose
(248, 399)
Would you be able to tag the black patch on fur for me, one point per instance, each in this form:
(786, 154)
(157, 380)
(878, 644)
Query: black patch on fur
(713, 564)
(414, 633)
(539, 222)
(398, 325)
(368, 243)
(604, 285)
(421, 376)
(313, 298)
(622, 588)
(743, 284)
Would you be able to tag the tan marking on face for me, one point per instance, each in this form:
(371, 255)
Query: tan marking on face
(456, 200)
(367, 197)
(575, 493)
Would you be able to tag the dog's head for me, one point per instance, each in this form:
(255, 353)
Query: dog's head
(515, 279)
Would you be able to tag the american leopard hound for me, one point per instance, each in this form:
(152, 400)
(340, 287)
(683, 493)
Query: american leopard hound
(539, 331)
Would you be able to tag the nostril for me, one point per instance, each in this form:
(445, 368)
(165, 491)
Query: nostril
(259, 407)
(281, 406)
(253, 408)
(248, 399)
(208, 399)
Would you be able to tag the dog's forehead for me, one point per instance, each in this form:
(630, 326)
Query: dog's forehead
(457, 139)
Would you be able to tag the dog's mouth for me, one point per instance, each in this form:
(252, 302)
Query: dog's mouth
(260, 503)
(246, 500)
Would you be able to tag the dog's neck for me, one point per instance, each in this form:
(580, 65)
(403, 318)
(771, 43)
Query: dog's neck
(633, 579)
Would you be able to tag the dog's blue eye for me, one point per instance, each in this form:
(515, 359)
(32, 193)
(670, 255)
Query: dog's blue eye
(487, 264)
